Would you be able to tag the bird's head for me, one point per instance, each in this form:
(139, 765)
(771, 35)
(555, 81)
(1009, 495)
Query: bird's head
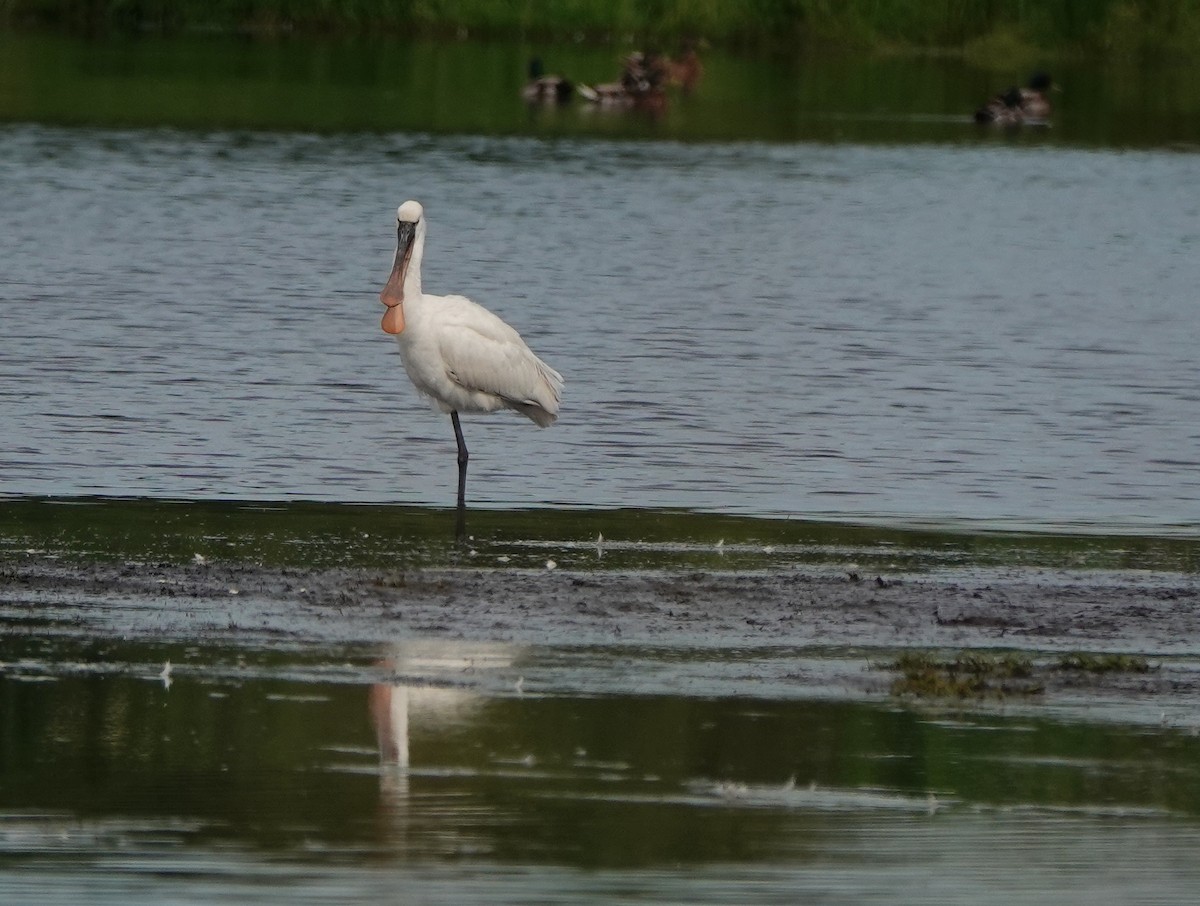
(408, 221)
(1041, 81)
(409, 212)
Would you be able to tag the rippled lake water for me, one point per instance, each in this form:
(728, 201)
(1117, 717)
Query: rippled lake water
(986, 333)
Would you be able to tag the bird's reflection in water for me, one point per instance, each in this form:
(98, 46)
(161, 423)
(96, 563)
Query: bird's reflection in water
(433, 686)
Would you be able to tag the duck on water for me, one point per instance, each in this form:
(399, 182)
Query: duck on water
(1020, 105)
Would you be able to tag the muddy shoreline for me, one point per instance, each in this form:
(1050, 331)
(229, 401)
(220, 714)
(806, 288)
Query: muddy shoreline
(1042, 612)
(1148, 613)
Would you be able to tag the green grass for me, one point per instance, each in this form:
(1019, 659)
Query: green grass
(983, 28)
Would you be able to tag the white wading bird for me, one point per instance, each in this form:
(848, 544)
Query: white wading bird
(457, 352)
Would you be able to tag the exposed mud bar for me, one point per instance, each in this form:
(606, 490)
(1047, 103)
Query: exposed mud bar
(1153, 618)
(1047, 610)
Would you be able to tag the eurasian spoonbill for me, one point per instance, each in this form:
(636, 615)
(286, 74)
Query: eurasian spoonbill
(456, 352)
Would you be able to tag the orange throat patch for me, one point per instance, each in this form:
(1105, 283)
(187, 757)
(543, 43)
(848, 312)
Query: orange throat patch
(393, 320)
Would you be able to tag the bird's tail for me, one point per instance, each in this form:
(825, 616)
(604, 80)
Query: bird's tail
(542, 411)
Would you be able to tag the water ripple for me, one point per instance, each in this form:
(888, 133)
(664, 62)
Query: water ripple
(843, 332)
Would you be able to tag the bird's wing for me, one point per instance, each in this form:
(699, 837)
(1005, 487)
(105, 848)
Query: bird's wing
(483, 353)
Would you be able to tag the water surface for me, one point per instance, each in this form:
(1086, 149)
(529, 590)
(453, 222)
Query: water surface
(468, 87)
(988, 333)
(464, 772)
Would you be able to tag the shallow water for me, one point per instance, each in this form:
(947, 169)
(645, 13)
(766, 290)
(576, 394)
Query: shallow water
(994, 334)
(471, 772)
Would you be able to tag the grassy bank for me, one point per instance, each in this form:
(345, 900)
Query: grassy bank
(1119, 28)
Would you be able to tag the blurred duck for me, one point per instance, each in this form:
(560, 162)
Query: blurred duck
(686, 70)
(546, 89)
(1019, 105)
(1002, 110)
(1034, 102)
(643, 76)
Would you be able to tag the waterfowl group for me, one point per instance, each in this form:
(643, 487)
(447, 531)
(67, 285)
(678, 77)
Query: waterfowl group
(1019, 105)
(642, 82)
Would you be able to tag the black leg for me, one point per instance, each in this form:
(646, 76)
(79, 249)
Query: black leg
(463, 456)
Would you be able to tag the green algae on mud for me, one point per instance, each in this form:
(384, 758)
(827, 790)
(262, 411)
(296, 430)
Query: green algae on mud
(1103, 663)
(985, 675)
(327, 535)
(966, 675)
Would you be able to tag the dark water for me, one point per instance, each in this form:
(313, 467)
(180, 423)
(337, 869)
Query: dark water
(454, 772)
(386, 85)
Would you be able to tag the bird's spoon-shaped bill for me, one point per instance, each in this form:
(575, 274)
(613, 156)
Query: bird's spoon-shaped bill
(393, 297)
(393, 320)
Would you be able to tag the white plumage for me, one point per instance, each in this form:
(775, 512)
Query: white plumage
(456, 352)
(468, 360)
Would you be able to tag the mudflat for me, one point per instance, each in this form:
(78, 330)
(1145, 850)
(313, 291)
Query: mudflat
(865, 620)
